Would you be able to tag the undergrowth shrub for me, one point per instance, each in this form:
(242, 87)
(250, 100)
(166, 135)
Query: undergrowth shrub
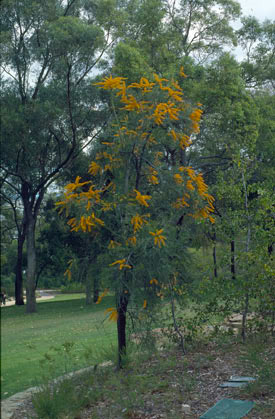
(72, 287)
(260, 363)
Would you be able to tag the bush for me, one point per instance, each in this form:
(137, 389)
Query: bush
(72, 287)
(7, 284)
(50, 282)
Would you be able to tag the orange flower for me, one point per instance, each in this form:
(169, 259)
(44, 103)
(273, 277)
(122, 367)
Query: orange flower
(178, 178)
(142, 198)
(113, 244)
(138, 220)
(143, 84)
(113, 314)
(182, 74)
(158, 238)
(132, 240)
(189, 185)
(121, 263)
(72, 186)
(94, 168)
(154, 281)
(111, 83)
(102, 295)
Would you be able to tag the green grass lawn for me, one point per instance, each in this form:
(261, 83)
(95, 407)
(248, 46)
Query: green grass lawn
(26, 338)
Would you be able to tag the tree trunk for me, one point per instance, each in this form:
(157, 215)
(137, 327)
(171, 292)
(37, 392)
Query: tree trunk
(96, 289)
(244, 316)
(18, 292)
(121, 326)
(247, 246)
(39, 273)
(31, 264)
(233, 270)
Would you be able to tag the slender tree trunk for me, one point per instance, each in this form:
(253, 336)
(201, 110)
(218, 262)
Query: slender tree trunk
(39, 273)
(19, 301)
(176, 328)
(244, 316)
(31, 264)
(121, 326)
(273, 323)
(270, 251)
(233, 270)
(247, 246)
(96, 289)
(246, 298)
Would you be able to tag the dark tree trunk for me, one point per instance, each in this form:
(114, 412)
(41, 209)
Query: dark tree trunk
(18, 292)
(32, 201)
(121, 326)
(31, 264)
(233, 270)
(39, 273)
(96, 289)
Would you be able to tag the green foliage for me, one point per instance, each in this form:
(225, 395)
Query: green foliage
(257, 40)
(54, 400)
(259, 362)
(72, 288)
(47, 96)
(7, 284)
(130, 62)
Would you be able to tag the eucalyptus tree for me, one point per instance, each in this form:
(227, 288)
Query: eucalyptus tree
(258, 43)
(12, 204)
(229, 129)
(234, 149)
(166, 33)
(202, 28)
(49, 108)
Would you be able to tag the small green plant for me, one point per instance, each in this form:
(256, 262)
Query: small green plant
(63, 397)
(65, 394)
(107, 352)
(59, 358)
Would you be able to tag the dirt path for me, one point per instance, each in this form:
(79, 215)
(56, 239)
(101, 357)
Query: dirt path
(43, 295)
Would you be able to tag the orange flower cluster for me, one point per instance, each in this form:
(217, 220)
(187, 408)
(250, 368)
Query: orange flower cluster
(105, 292)
(121, 263)
(113, 313)
(159, 239)
(170, 109)
(138, 220)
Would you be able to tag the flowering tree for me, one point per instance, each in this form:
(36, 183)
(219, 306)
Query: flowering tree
(140, 191)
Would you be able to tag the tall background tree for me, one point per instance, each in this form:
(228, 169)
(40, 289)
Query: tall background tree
(48, 105)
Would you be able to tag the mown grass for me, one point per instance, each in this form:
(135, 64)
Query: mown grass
(27, 339)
